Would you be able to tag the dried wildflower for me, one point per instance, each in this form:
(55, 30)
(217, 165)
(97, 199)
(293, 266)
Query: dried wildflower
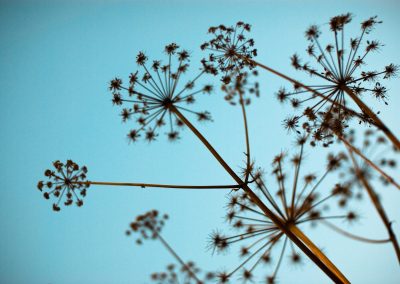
(149, 96)
(296, 201)
(230, 49)
(182, 275)
(325, 104)
(238, 86)
(148, 226)
(65, 181)
(378, 149)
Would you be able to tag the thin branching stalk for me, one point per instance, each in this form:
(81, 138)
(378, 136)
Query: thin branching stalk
(145, 185)
(177, 257)
(377, 204)
(378, 122)
(352, 236)
(294, 233)
(369, 162)
(246, 130)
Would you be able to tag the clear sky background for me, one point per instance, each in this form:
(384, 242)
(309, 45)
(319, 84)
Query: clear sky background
(56, 59)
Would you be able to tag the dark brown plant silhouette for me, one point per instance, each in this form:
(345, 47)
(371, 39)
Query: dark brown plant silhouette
(174, 275)
(358, 175)
(225, 46)
(148, 96)
(298, 201)
(148, 226)
(341, 79)
(66, 181)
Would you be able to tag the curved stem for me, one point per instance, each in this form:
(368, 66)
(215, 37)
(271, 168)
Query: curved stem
(177, 257)
(378, 122)
(291, 231)
(352, 236)
(248, 167)
(377, 204)
(144, 185)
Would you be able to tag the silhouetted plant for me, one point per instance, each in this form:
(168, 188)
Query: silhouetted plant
(149, 226)
(148, 96)
(358, 175)
(298, 201)
(68, 181)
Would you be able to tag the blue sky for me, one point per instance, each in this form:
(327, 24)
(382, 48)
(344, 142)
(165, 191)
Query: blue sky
(56, 59)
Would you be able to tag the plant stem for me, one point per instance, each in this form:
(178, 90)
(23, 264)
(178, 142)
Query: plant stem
(144, 185)
(378, 122)
(354, 237)
(177, 257)
(294, 233)
(248, 167)
(368, 161)
(377, 204)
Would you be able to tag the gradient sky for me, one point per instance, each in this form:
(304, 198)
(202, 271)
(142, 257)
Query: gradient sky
(56, 59)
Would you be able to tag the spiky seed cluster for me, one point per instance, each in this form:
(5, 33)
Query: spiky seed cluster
(147, 225)
(66, 181)
(241, 86)
(230, 49)
(149, 96)
(374, 146)
(182, 275)
(296, 201)
(339, 70)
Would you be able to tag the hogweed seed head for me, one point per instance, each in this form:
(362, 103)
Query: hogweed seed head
(230, 49)
(148, 97)
(66, 181)
(339, 71)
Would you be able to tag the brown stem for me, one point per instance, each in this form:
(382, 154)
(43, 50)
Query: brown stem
(177, 257)
(368, 161)
(316, 93)
(143, 185)
(377, 204)
(246, 179)
(378, 122)
(294, 233)
(352, 236)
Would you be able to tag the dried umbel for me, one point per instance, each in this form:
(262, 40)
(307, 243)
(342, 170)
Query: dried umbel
(297, 202)
(378, 149)
(240, 87)
(148, 97)
(66, 181)
(147, 226)
(339, 78)
(173, 274)
(230, 49)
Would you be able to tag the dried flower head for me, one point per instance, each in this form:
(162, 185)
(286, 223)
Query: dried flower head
(340, 75)
(147, 225)
(149, 96)
(230, 49)
(297, 201)
(172, 274)
(68, 181)
(241, 87)
(374, 146)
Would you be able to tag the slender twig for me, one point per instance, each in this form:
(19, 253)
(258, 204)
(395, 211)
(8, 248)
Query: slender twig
(378, 122)
(294, 233)
(177, 257)
(377, 204)
(248, 162)
(368, 161)
(144, 185)
(352, 236)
